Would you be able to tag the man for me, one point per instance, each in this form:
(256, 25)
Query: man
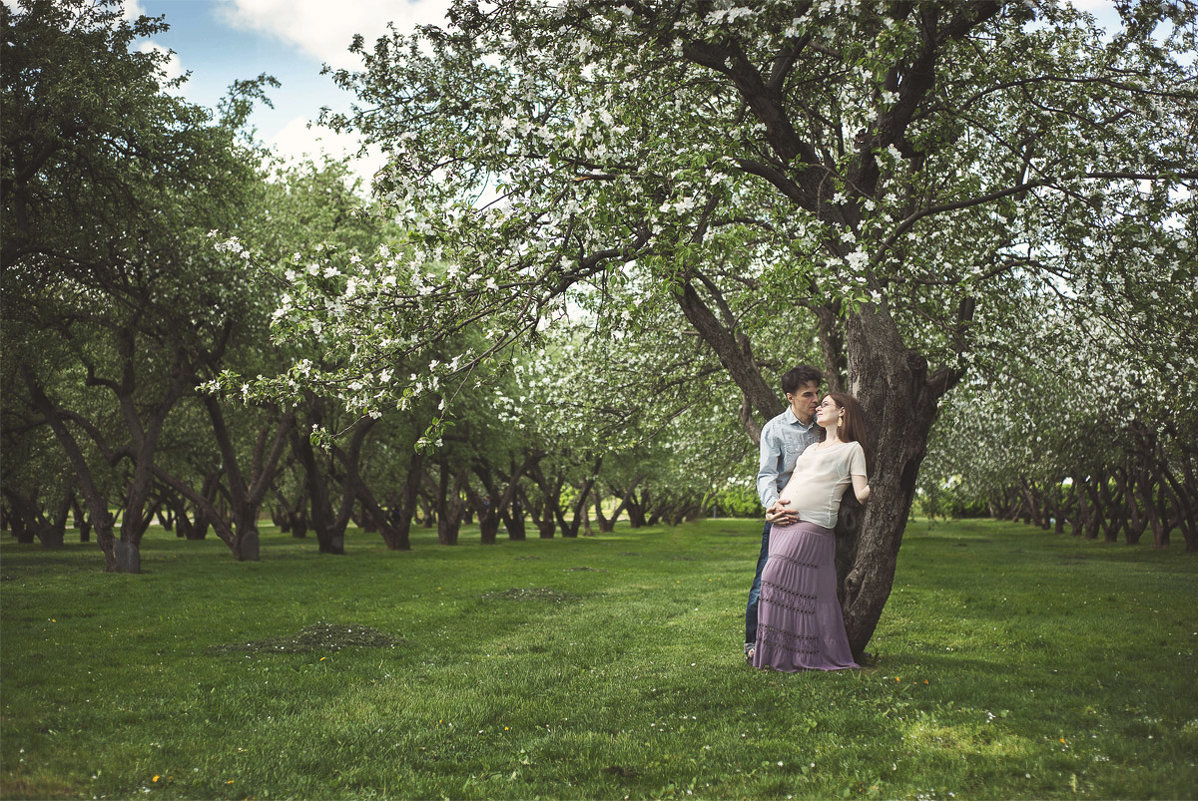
(782, 440)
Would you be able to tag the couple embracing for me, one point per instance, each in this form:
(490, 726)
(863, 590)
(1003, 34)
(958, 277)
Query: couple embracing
(810, 455)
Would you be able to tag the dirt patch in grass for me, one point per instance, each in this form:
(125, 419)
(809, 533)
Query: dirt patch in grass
(37, 787)
(530, 594)
(317, 637)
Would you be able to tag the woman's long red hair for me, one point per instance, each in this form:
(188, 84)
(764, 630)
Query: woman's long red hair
(852, 425)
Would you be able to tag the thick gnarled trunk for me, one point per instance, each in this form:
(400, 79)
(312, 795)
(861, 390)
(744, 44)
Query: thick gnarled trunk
(900, 401)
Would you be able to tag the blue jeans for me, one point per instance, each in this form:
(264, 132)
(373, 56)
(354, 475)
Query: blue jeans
(755, 591)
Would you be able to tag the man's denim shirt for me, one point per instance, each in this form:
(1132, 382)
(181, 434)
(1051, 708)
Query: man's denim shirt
(782, 440)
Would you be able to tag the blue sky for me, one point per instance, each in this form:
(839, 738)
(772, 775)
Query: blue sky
(220, 41)
(216, 53)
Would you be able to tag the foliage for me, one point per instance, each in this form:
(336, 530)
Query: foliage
(1009, 664)
(1071, 399)
(740, 501)
(111, 185)
(609, 142)
(894, 187)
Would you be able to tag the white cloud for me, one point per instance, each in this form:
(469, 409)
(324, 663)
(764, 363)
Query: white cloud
(325, 29)
(171, 68)
(132, 9)
(299, 141)
(1104, 11)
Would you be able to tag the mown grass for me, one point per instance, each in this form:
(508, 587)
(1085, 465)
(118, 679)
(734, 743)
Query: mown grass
(1010, 663)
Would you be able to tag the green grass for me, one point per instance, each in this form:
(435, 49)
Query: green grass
(1009, 663)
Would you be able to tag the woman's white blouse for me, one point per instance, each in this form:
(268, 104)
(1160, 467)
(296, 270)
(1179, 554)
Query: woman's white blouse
(820, 477)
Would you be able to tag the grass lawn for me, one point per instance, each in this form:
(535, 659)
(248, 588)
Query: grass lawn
(1010, 663)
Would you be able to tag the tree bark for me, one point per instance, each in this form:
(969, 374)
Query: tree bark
(514, 521)
(449, 502)
(900, 402)
(580, 504)
(402, 518)
(248, 491)
(495, 505)
(606, 524)
(82, 523)
(97, 504)
(328, 524)
(734, 354)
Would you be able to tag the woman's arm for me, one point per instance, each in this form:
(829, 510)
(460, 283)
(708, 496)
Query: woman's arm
(860, 488)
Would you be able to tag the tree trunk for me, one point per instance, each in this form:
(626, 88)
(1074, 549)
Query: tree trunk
(292, 517)
(248, 488)
(514, 521)
(450, 504)
(496, 505)
(1113, 512)
(1093, 510)
(205, 510)
(1032, 512)
(145, 439)
(636, 511)
(30, 521)
(1081, 523)
(900, 402)
(55, 531)
(330, 539)
(21, 531)
(1187, 506)
(543, 522)
(486, 505)
(1131, 485)
(606, 524)
(735, 354)
(401, 517)
(83, 525)
(579, 508)
(626, 497)
(1064, 507)
(97, 504)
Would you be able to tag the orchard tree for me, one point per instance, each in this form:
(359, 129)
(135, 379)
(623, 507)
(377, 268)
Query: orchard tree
(109, 187)
(895, 178)
(39, 489)
(1085, 423)
(656, 408)
(299, 203)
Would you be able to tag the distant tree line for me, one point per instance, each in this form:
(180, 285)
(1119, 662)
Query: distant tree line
(144, 253)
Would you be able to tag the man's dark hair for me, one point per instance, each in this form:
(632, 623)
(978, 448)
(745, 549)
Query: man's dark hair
(796, 377)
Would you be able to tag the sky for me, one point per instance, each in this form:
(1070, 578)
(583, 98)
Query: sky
(220, 41)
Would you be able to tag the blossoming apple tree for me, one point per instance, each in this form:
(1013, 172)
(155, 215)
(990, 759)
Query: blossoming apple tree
(894, 177)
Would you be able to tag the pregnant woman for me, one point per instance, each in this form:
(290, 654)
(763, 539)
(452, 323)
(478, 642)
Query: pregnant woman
(800, 625)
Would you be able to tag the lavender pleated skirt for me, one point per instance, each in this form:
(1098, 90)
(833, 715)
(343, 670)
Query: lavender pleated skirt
(799, 622)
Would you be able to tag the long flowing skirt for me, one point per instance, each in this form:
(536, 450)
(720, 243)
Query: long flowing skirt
(799, 622)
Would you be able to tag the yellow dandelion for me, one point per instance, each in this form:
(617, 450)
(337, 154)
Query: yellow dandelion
(156, 778)
(896, 678)
(323, 658)
(1062, 741)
